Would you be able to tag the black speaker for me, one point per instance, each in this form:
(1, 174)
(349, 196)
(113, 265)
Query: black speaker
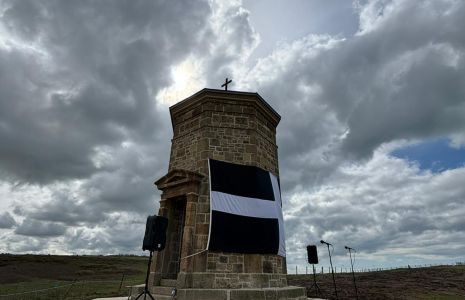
(312, 254)
(155, 233)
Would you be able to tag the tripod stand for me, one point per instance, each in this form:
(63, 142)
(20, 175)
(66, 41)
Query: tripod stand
(317, 288)
(146, 289)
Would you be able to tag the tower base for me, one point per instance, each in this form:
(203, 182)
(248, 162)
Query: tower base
(282, 293)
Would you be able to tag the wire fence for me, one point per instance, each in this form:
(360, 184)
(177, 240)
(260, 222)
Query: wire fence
(89, 289)
(84, 289)
(299, 270)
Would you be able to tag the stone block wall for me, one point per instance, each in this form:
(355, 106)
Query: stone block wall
(236, 133)
(235, 127)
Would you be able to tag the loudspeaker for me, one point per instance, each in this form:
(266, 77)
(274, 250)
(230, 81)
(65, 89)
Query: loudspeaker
(155, 233)
(312, 254)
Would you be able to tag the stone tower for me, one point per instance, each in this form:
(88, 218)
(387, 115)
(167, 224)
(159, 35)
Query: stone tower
(236, 127)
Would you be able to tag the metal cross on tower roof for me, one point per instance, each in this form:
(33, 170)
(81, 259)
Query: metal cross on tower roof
(225, 84)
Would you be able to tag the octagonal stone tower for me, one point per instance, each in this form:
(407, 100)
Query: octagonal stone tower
(231, 126)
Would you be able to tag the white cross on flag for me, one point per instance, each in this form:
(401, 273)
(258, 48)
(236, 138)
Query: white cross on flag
(245, 210)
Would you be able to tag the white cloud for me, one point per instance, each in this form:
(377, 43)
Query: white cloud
(85, 128)
(346, 103)
(40, 229)
(187, 77)
(380, 207)
(457, 140)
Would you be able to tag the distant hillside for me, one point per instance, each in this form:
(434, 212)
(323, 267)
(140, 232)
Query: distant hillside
(441, 283)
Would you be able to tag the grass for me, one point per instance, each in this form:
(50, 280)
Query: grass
(440, 282)
(68, 277)
(442, 297)
(89, 277)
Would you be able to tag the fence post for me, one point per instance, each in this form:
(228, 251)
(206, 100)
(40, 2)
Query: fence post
(121, 284)
(67, 292)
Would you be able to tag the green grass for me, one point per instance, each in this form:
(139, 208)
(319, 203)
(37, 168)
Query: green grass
(442, 297)
(100, 276)
(68, 277)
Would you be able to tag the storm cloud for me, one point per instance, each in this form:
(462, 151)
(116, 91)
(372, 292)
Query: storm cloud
(84, 124)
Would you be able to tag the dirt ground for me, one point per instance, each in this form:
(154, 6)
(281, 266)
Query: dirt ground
(442, 283)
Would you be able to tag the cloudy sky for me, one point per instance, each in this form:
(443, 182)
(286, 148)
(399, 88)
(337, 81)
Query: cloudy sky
(371, 142)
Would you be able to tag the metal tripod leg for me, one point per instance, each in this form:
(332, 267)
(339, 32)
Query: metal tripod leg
(315, 285)
(146, 289)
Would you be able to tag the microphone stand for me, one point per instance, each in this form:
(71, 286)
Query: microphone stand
(332, 270)
(353, 274)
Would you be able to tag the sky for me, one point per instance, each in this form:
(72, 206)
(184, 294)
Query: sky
(371, 141)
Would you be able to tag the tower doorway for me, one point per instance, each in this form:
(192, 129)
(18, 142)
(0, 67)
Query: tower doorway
(172, 252)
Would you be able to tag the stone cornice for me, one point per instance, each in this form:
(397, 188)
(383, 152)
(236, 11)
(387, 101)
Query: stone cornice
(206, 95)
(177, 177)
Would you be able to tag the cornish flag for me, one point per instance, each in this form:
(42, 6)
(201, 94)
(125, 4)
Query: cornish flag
(246, 210)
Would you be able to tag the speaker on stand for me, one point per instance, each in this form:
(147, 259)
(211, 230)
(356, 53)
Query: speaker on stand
(312, 256)
(154, 240)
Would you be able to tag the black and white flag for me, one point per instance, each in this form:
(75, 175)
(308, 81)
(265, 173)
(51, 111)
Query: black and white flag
(245, 210)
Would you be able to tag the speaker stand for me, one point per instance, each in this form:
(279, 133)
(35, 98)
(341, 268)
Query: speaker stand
(146, 288)
(315, 285)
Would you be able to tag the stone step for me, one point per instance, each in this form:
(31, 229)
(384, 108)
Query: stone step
(135, 289)
(158, 292)
(168, 282)
(164, 293)
(156, 296)
(162, 297)
(162, 290)
(112, 298)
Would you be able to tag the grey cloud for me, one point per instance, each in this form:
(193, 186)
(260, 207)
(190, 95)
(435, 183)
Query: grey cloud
(89, 80)
(22, 244)
(407, 84)
(66, 211)
(85, 87)
(35, 228)
(350, 96)
(234, 38)
(78, 108)
(122, 233)
(127, 234)
(7, 220)
(81, 241)
(123, 189)
(381, 210)
(130, 185)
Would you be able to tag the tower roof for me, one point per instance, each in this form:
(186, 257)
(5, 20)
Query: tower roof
(216, 94)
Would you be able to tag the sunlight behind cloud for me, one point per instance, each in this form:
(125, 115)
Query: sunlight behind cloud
(187, 78)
